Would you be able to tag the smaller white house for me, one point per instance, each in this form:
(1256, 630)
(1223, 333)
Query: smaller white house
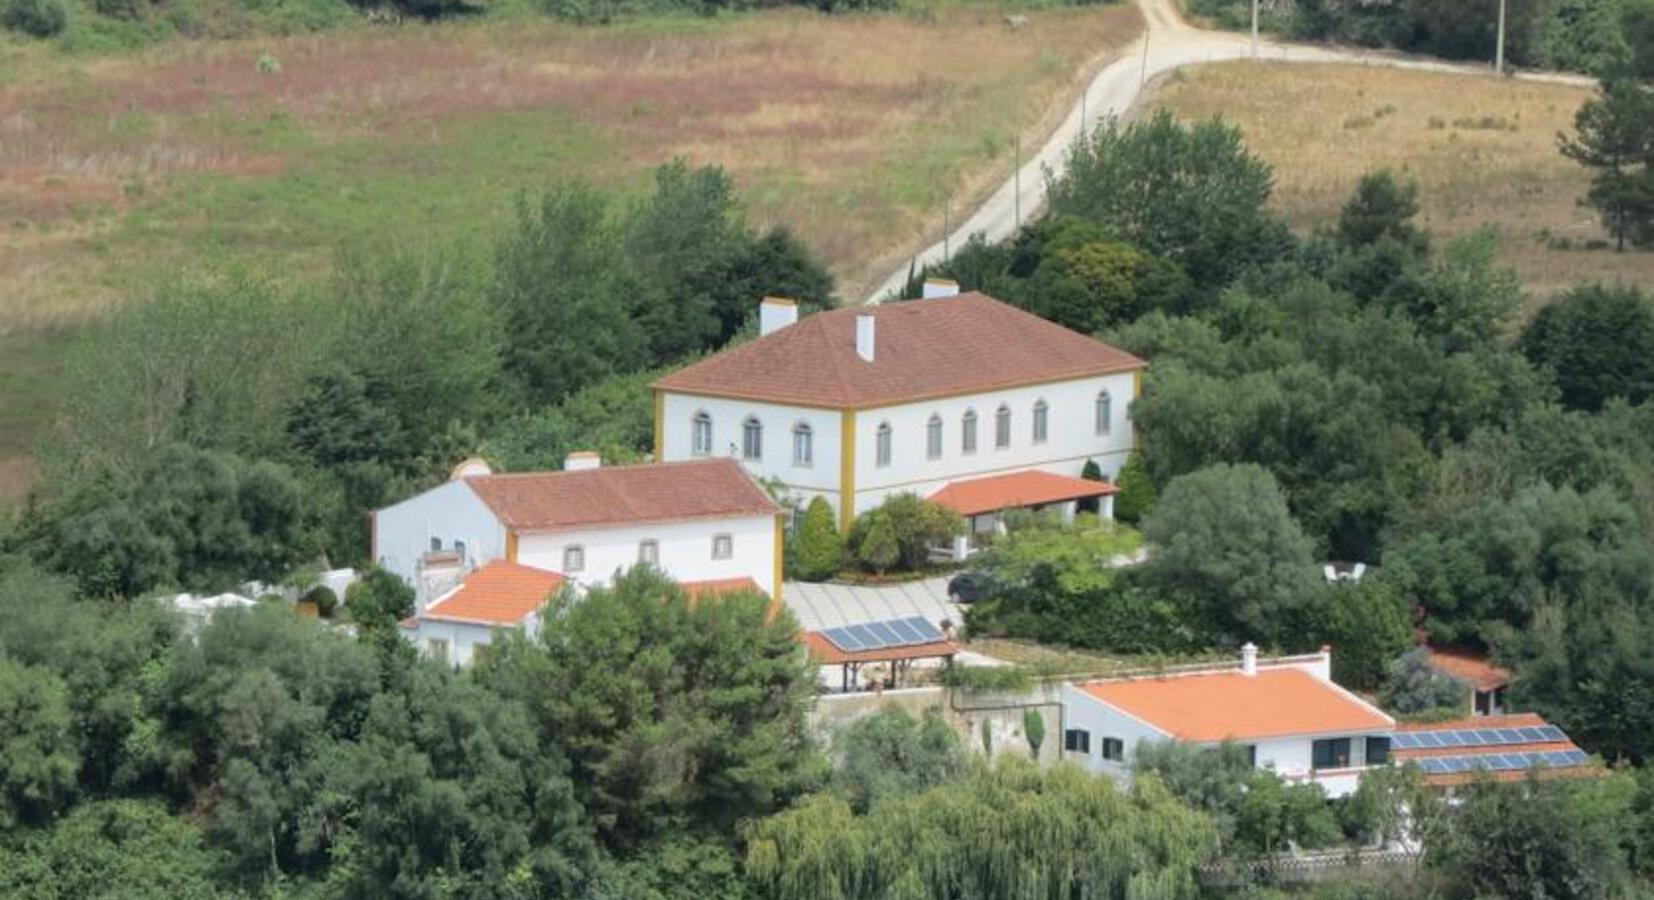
(1287, 712)
(498, 595)
(485, 551)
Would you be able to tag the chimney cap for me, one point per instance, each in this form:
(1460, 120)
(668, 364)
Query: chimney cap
(779, 301)
(937, 288)
(582, 459)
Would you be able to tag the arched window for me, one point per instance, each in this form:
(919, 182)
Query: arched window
(701, 435)
(436, 544)
(1105, 412)
(803, 444)
(1042, 426)
(574, 558)
(1002, 427)
(967, 432)
(752, 439)
(648, 553)
(881, 446)
(933, 437)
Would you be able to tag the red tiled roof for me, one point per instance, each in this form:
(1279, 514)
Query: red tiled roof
(1216, 706)
(1512, 720)
(1030, 488)
(1469, 666)
(923, 348)
(500, 593)
(823, 652)
(717, 586)
(658, 492)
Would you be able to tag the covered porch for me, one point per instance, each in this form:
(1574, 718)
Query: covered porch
(984, 501)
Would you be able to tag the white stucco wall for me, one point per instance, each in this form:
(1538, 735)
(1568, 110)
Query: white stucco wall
(685, 550)
(819, 478)
(1083, 711)
(450, 512)
(463, 637)
(1071, 438)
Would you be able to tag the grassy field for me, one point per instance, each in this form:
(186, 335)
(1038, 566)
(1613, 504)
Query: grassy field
(1483, 151)
(852, 130)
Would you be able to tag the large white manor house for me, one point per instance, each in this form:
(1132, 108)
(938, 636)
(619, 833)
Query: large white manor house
(956, 397)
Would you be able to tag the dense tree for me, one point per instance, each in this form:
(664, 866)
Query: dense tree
(818, 547)
(1367, 624)
(989, 835)
(1599, 343)
(39, 756)
(1413, 686)
(1222, 541)
(1382, 209)
(1544, 839)
(1136, 497)
(568, 302)
(677, 717)
(1615, 138)
(614, 417)
(189, 518)
(1191, 194)
(379, 599)
(116, 850)
(892, 754)
(915, 525)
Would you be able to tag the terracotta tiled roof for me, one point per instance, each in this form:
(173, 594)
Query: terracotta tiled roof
(1469, 667)
(1474, 723)
(823, 652)
(1030, 488)
(616, 495)
(922, 348)
(1231, 705)
(500, 593)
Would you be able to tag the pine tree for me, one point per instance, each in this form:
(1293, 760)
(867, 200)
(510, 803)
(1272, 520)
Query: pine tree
(1616, 139)
(879, 550)
(1136, 498)
(820, 546)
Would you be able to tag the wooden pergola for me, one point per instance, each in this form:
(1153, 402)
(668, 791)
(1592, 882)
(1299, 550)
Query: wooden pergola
(824, 653)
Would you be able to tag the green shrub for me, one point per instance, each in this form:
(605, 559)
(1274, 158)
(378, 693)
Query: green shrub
(820, 547)
(915, 524)
(41, 18)
(326, 601)
(1136, 498)
(130, 10)
(878, 549)
(1033, 728)
(987, 678)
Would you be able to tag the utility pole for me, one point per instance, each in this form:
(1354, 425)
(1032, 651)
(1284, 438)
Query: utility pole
(1255, 28)
(947, 225)
(1499, 51)
(1016, 182)
(1143, 74)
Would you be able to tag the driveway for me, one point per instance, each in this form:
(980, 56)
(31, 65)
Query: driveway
(1168, 43)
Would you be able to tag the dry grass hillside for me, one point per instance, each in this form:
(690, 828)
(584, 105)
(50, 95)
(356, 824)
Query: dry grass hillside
(1483, 151)
(851, 129)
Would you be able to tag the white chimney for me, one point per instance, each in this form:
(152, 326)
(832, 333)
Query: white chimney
(1249, 658)
(776, 313)
(581, 459)
(864, 336)
(936, 288)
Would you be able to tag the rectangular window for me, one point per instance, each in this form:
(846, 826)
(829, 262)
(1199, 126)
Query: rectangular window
(1114, 749)
(752, 440)
(723, 546)
(1378, 751)
(1252, 755)
(933, 439)
(574, 558)
(648, 552)
(459, 549)
(1002, 429)
(1077, 740)
(1042, 427)
(701, 439)
(436, 544)
(1333, 753)
(437, 649)
(803, 447)
(967, 434)
(881, 447)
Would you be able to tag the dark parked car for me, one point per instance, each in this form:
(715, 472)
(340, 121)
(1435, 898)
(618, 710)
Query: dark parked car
(969, 587)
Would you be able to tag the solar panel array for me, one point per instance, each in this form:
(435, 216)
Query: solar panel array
(1500, 762)
(1477, 737)
(883, 635)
